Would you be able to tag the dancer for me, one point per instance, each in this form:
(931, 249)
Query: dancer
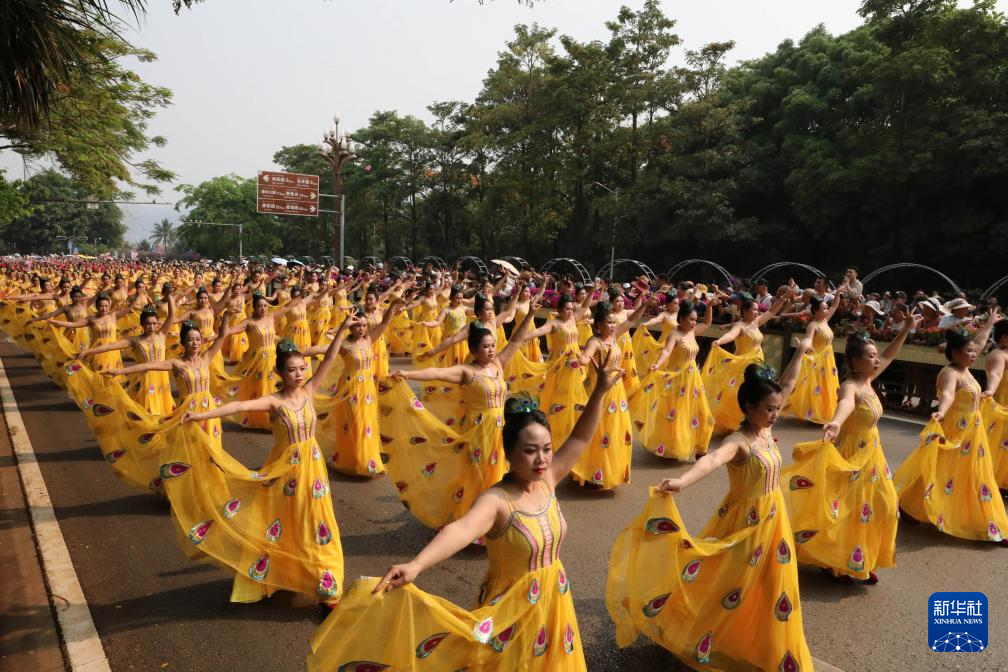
(670, 411)
(726, 598)
(646, 347)
(274, 527)
(103, 329)
(949, 480)
(439, 471)
(524, 616)
(349, 430)
(815, 397)
(841, 493)
(995, 404)
(605, 464)
(722, 372)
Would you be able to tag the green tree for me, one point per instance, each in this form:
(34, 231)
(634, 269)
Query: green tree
(13, 203)
(226, 199)
(164, 235)
(58, 209)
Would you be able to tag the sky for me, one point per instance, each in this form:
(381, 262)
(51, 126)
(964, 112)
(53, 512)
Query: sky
(251, 76)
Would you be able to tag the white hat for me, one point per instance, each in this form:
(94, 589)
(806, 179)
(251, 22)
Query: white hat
(875, 306)
(933, 305)
(958, 304)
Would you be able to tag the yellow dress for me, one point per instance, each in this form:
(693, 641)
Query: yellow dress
(995, 417)
(58, 345)
(815, 395)
(236, 345)
(349, 416)
(647, 348)
(524, 375)
(670, 411)
(381, 354)
(400, 334)
(444, 399)
(723, 373)
(129, 436)
(438, 471)
(949, 480)
(605, 463)
(531, 349)
(631, 378)
(524, 619)
(103, 334)
(151, 389)
(319, 316)
(424, 338)
(563, 393)
(726, 599)
(842, 498)
(257, 371)
(222, 383)
(273, 527)
(298, 330)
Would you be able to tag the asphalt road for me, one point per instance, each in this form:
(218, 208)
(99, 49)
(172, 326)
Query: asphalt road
(154, 610)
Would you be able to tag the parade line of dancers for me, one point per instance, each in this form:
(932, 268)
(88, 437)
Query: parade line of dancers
(478, 451)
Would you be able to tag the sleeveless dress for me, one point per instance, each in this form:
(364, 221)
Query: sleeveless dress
(349, 416)
(605, 463)
(103, 334)
(524, 617)
(723, 373)
(563, 393)
(424, 338)
(297, 330)
(670, 411)
(631, 377)
(995, 417)
(151, 389)
(257, 371)
(445, 399)
(273, 527)
(843, 499)
(236, 344)
(439, 471)
(319, 316)
(949, 479)
(726, 599)
(381, 353)
(647, 348)
(815, 395)
(531, 349)
(59, 345)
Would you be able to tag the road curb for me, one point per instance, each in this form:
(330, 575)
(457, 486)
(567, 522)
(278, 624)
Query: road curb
(82, 646)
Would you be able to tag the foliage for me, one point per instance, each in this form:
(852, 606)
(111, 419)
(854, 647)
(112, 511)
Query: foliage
(58, 210)
(13, 203)
(227, 200)
(164, 234)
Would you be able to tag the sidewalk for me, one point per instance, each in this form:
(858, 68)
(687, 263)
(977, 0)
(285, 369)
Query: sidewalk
(28, 635)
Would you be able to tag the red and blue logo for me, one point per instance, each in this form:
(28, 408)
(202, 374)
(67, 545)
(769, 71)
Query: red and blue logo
(957, 622)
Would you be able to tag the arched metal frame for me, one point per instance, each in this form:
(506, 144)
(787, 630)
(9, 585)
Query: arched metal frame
(641, 267)
(564, 262)
(669, 274)
(437, 261)
(909, 264)
(467, 263)
(995, 287)
(517, 262)
(782, 264)
(399, 262)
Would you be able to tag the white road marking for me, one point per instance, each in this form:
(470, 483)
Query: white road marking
(83, 647)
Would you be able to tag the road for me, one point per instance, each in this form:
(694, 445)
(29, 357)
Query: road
(154, 610)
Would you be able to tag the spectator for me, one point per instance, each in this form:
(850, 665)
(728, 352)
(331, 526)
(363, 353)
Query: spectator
(762, 297)
(821, 289)
(856, 288)
(956, 314)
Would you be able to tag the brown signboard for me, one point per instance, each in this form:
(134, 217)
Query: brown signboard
(287, 194)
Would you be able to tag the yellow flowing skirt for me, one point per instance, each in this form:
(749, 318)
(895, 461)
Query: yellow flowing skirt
(605, 463)
(950, 483)
(646, 348)
(723, 373)
(348, 426)
(725, 600)
(237, 344)
(530, 628)
(995, 417)
(273, 527)
(671, 415)
(152, 390)
(631, 379)
(257, 372)
(847, 509)
(563, 395)
(437, 471)
(400, 334)
(525, 375)
(815, 395)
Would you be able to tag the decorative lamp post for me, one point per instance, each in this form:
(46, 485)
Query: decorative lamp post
(338, 150)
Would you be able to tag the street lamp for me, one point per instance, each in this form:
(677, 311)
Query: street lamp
(338, 150)
(612, 241)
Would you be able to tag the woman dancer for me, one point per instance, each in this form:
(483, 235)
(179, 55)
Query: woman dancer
(995, 404)
(646, 347)
(728, 597)
(273, 527)
(222, 383)
(439, 471)
(722, 372)
(815, 396)
(949, 480)
(524, 617)
(841, 491)
(605, 464)
(670, 411)
(60, 345)
(151, 388)
(349, 430)
(103, 329)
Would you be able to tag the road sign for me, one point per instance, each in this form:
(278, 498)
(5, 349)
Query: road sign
(287, 194)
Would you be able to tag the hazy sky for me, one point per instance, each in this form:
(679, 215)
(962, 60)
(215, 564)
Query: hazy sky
(250, 76)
